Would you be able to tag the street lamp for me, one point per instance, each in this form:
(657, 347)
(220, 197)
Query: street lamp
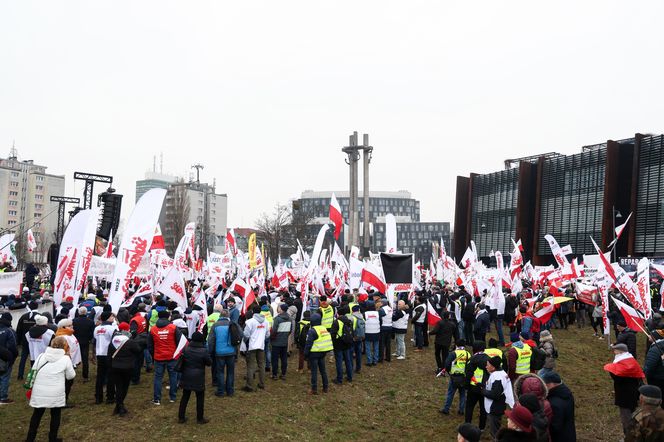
(616, 215)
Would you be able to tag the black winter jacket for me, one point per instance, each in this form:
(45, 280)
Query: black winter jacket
(126, 357)
(84, 328)
(445, 330)
(507, 435)
(563, 428)
(196, 358)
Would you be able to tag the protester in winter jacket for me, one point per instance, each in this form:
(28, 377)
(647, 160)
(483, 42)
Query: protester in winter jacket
(84, 328)
(627, 377)
(39, 337)
(418, 319)
(163, 341)
(519, 426)
(256, 332)
(518, 357)
(122, 353)
(444, 330)
(103, 334)
(626, 336)
(319, 343)
(342, 348)
(497, 393)
(456, 366)
(25, 323)
(654, 366)
(530, 383)
(221, 348)
(301, 331)
(195, 358)
(372, 333)
(48, 390)
(8, 353)
(400, 327)
(281, 331)
(547, 345)
(540, 421)
(563, 427)
(66, 329)
(385, 316)
(476, 377)
(482, 323)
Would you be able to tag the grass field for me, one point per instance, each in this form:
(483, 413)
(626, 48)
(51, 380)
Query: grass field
(397, 400)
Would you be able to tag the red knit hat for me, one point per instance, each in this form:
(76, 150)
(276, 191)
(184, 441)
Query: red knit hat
(124, 326)
(522, 417)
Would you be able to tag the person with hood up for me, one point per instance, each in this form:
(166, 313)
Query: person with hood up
(53, 368)
(319, 343)
(627, 378)
(195, 358)
(163, 341)
(497, 393)
(122, 352)
(38, 337)
(256, 333)
(547, 345)
(66, 329)
(280, 333)
(519, 426)
(540, 422)
(531, 383)
(563, 426)
(8, 353)
(626, 336)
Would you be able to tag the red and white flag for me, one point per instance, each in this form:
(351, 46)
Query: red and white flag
(32, 244)
(157, 239)
(230, 241)
(633, 319)
(109, 246)
(373, 276)
(336, 217)
(180, 348)
(621, 280)
(585, 293)
(173, 287)
(625, 366)
(432, 315)
(546, 311)
(619, 230)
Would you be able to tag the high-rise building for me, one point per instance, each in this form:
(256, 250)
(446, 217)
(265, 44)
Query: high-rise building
(198, 201)
(25, 193)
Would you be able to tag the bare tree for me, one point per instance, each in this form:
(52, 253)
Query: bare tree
(177, 214)
(272, 228)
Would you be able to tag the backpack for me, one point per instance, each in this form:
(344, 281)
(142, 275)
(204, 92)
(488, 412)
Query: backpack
(537, 359)
(235, 334)
(302, 337)
(346, 332)
(360, 328)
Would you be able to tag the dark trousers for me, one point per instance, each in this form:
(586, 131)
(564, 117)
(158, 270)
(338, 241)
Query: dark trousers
(104, 379)
(25, 355)
(138, 365)
(357, 351)
(36, 419)
(317, 362)
(300, 359)
(468, 332)
(474, 397)
(213, 370)
(68, 384)
(225, 375)
(121, 378)
(200, 402)
(441, 352)
(342, 357)
(85, 358)
(385, 346)
(279, 354)
(494, 423)
(480, 336)
(419, 335)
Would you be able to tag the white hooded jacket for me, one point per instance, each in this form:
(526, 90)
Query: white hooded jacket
(48, 390)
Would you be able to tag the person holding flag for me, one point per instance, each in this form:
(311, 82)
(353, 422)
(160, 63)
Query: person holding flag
(627, 377)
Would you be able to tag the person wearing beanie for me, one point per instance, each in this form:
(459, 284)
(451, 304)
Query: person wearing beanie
(563, 425)
(256, 334)
(84, 332)
(468, 433)
(648, 420)
(540, 421)
(122, 353)
(38, 337)
(317, 346)
(455, 365)
(497, 393)
(519, 426)
(301, 332)
(25, 322)
(163, 341)
(627, 377)
(8, 353)
(518, 357)
(102, 335)
(194, 360)
(280, 334)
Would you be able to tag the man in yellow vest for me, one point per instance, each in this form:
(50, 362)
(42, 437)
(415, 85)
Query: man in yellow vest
(456, 366)
(476, 376)
(518, 357)
(267, 314)
(326, 312)
(319, 343)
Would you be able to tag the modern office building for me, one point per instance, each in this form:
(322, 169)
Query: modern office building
(205, 207)
(25, 194)
(413, 236)
(572, 197)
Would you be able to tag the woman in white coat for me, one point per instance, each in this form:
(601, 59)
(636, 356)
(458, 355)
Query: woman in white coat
(48, 390)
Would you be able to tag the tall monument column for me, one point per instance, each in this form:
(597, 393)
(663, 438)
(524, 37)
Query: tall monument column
(366, 234)
(352, 150)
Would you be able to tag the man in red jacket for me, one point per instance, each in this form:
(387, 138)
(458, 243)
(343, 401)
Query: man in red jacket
(163, 341)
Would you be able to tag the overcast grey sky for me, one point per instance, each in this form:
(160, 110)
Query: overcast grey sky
(265, 93)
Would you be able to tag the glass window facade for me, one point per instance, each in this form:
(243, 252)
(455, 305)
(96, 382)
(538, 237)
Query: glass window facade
(650, 197)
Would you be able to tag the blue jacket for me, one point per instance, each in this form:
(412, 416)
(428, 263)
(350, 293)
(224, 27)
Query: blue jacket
(219, 342)
(654, 368)
(234, 314)
(8, 341)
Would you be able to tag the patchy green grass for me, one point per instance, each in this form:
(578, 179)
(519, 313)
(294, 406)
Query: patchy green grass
(392, 401)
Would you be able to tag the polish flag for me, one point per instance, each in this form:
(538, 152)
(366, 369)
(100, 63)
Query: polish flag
(109, 247)
(230, 241)
(243, 289)
(32, 244)
(181, 346)
(619, 231)
(373, 276)
(432, 315)
(157, 239)
(585, 293)
(624, 365)
(201, 302)
(335, 216)
(548, 308)
(632, 318)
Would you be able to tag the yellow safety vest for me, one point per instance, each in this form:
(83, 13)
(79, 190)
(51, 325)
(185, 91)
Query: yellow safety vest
(459, 365)
(328, 316)
(478, 375)
(353, 319)
(491, 352)
(323, 342)
(268, 317)
(351, 305)
(523, 360)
